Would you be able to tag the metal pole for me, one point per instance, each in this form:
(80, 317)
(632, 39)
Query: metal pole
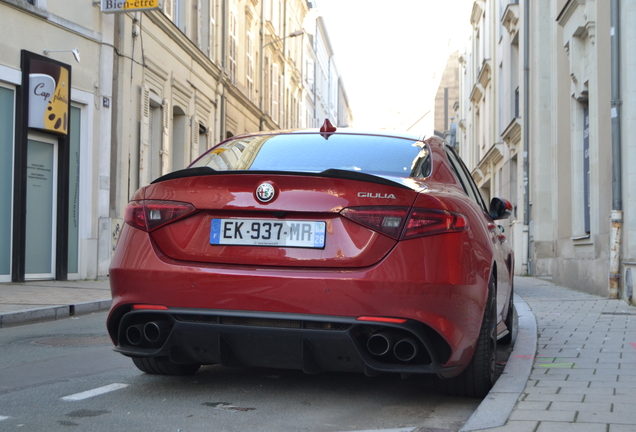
(526, 125)
(617, 199)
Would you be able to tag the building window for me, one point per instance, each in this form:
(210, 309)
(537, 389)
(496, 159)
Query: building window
(196, 23)
(267, 91)
(275, 93)
(272, 11)
(212, 30)
(249, 70)
(309, 73)
(232, 49)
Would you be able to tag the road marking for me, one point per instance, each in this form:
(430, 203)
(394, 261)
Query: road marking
(95, 392)
(3, 418)
(408, 429)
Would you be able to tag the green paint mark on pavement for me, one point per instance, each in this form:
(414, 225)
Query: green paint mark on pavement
(558, 365)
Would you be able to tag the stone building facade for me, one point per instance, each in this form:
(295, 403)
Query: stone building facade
(545, 117)
(149, 91)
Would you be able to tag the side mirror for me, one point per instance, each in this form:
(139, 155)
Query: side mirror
(500, 208)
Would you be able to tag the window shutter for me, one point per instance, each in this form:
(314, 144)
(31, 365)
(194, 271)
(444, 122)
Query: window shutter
(165, 150)
(144, 137)
(168, 8)
(195, 138)
(210, 137)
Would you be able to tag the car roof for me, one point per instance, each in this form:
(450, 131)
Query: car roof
(339, 131)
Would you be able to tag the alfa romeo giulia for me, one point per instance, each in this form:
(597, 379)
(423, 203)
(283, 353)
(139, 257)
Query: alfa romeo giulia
(318, 250)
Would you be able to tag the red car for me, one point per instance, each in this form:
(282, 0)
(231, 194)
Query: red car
(318, 250)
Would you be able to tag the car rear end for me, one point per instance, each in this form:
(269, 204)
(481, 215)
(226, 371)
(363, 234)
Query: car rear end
(305, 251)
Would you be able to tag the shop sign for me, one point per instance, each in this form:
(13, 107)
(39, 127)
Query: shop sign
(111, 6)
(49, 96)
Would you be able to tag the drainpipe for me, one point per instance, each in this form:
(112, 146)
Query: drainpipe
(526, 128)
(617, 200)
(223, 65)
(261, 58)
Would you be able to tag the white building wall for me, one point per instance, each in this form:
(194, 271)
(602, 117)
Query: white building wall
(569, 72)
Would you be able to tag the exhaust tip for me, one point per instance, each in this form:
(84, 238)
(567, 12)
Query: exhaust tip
(134, 335)
(405, 349)
(154, 331)
(380, 344)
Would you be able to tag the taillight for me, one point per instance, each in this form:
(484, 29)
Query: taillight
(148, 215)
(387, 220)
(403, 223)
(424, 222)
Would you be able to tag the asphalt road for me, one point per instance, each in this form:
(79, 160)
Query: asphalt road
(63, 375)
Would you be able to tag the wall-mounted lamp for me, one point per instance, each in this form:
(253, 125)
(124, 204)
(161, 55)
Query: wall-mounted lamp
(75, 52)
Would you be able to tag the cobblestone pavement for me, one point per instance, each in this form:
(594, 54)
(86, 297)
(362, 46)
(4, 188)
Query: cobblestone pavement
(583, 376)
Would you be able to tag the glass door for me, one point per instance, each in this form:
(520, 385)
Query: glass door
(7, 120)
(41, 198)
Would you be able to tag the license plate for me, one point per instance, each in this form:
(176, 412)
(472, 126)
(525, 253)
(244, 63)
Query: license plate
(267, 232)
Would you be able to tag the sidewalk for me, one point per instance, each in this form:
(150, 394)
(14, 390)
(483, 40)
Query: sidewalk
(581, 374)
(573, 367)
(46, 300)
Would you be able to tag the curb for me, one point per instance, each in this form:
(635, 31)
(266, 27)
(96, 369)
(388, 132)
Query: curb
(496, 407)
(52, 313)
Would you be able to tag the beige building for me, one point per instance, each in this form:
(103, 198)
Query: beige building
(547, 95)
(55, 178)
(138, 93)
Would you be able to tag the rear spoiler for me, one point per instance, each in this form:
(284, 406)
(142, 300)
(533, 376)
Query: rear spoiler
(329, 173)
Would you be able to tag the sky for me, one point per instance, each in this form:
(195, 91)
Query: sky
(391, 55)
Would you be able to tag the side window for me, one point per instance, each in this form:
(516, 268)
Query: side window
(461, 172)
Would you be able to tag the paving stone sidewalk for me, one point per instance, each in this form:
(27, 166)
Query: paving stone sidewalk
(45, 300)
(583, 375)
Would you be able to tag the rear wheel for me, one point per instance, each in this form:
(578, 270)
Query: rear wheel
(478, 378)
(511, 321)
(163, 366)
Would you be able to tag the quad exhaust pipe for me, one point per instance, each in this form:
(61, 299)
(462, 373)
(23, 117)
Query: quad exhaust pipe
(405, 349)
(154, 331)
(135, 334)
(151, 333)
(380, 344)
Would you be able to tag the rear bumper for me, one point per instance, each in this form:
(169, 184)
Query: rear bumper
(290, 341)
(442, 303)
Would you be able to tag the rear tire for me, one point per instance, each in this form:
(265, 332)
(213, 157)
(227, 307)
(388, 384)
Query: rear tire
(479, 376)
(511, 321)
(163, 366)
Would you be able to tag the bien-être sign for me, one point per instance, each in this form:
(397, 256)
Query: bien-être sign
(128, 5)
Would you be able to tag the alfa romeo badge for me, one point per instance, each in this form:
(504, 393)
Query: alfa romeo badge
(265, 192)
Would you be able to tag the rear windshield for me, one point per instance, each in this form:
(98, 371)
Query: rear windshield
(369, 154)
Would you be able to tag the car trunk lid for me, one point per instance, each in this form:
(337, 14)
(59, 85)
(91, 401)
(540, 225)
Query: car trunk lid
(232, 225)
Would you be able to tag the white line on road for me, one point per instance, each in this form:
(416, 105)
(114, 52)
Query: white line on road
(409, 429)
(3, 418)
(95, 392)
